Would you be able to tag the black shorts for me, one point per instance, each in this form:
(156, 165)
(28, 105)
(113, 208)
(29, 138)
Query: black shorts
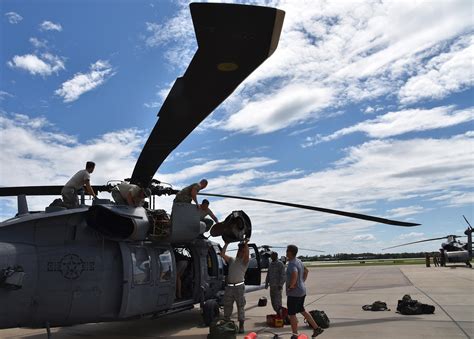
(295, 305)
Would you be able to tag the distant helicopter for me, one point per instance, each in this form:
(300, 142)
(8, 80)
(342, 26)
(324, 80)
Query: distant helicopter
(109, 262)
(454, 250)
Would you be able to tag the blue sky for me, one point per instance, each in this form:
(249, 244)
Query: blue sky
(365, 106)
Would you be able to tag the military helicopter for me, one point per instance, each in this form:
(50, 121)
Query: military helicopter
(454, 250)
(110, 262)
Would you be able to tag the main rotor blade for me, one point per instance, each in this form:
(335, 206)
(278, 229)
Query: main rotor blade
(467, 221)
(414, 242)
(41, 190)
(233, 40)
(320, 209)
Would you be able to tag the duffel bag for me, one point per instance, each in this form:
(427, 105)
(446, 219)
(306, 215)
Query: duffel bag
(222, 329)
(321, 318)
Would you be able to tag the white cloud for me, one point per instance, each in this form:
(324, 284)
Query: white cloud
(37, 43)
(42, 155)
(50, 26)
(446, 73)
(4, 95)
(44, 65)
(401, 122)
(292, 104)
(364, 237)
(176, 29)
(81, 83)
(404, 211)
(411, 235)
(354, 51)
(13, 17)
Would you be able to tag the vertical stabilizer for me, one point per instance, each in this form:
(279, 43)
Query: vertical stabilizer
(22, 205)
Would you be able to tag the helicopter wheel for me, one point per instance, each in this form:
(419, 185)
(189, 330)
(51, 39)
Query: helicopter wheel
(210, 311)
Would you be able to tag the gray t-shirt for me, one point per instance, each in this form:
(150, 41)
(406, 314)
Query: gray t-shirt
(237, 270)
(295, 265)
(78, 180)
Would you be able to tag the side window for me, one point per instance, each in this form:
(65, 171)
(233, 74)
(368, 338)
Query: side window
(166, 265)
(141, 263)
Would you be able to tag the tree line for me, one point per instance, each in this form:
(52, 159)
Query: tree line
(365, 256)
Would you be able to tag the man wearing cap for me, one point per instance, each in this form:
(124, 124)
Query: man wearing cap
(78, 181)
(276, 277)
(130, 194)
(235, 288)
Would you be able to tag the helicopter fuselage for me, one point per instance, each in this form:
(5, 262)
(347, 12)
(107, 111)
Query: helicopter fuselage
(57, 268)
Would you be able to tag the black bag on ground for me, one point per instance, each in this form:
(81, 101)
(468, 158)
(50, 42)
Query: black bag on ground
(408, 306)
(222, 329)
(262, 302)
(376, 306)
(320, 318)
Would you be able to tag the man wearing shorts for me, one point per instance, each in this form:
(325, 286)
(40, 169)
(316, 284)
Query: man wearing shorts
(296, 275)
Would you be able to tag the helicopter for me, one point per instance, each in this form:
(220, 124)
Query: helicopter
(454, 250)
(110, 262)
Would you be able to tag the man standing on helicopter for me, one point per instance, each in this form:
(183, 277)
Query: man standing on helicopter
(190, 192)
(235, 288)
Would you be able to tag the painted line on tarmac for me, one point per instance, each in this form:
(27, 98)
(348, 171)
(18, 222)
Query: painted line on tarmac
(441, 307)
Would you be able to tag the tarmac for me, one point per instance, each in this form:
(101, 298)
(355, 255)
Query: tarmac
(340, 292)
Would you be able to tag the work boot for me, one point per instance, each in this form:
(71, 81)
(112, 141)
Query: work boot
(241, 327)
(317, 331)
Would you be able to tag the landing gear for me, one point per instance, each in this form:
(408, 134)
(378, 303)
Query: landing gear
(210, 311)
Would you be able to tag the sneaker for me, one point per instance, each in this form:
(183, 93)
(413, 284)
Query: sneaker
(317, 332)
(294, 336)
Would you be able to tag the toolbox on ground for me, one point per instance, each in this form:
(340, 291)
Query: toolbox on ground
(274, 320)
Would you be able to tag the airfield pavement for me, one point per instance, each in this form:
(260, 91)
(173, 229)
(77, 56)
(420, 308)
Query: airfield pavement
(340, 292)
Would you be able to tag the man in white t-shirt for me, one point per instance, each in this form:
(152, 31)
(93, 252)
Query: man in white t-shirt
(78, 181)
(130, 194)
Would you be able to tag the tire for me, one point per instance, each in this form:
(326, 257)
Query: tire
(210, 311)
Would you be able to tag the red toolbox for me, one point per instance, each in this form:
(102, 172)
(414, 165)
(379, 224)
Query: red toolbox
(274, 320)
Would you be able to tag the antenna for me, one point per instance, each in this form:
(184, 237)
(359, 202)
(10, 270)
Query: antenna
(22, 204)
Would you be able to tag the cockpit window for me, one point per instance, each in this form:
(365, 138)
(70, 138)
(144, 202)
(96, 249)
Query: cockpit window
(141, 263)
(166, 265)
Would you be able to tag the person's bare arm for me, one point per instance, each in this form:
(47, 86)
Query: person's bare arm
(213, 216)
(246, 257)
(305, 273)
(89, 189)
(293, 280)
(223, 255)
(194, 192)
